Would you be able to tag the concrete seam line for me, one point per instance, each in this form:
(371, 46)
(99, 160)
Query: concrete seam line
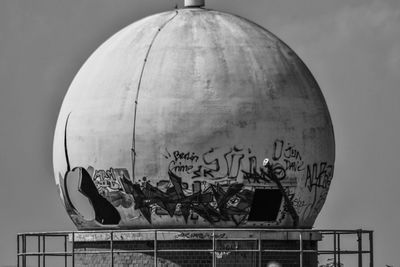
(133, 149)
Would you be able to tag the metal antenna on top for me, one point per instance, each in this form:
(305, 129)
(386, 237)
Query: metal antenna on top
(194, 3)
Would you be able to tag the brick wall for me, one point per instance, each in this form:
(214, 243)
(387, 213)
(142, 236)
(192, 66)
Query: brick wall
(193, 258)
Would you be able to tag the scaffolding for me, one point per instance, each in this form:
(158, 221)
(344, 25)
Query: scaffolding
(36, 249)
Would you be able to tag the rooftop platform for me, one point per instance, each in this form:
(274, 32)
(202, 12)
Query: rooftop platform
(254, 247)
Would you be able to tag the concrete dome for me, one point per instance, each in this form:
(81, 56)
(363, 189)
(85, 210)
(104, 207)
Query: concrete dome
(168, 123)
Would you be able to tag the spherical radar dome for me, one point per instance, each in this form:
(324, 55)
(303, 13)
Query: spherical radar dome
(193, 118)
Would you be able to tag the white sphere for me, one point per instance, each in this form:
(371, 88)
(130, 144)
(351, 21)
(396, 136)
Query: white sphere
(168, 123)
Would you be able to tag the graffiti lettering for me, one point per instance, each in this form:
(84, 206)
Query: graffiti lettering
(289, 154)
(234, 163)
(212, 202)
(189, 156)
(216, 190)
(264, 177)
(298, 203)
(319, 176)
(182, 168)
(109, 179)
(187, 235)
(278, 148)
(293, 165)
(231, 163)
(318, 179)
(182, 162)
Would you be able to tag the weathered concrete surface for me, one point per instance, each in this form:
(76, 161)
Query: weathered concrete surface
(192, 235)
(173, 116)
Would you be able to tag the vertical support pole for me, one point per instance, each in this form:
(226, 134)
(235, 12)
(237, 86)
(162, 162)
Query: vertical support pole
(38, 245)
(44, 250)
(112, 248)
(155, 248)
(24, 250)
(18, 251)
(213, 253)
(65, 251)
(359, 233)
(73, 249)
(371, 249)
(338, 249)
(334, 248)
(259, 249)
(301, 248)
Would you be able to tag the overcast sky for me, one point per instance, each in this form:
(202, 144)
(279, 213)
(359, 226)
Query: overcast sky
(351, 46)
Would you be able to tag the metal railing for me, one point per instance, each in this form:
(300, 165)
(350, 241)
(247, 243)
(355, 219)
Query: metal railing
(35, 245)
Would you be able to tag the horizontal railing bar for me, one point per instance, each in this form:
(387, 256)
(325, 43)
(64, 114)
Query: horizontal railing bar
(45, 254)
(142, 251)
(344, 233)
(50, 234)
(190, 250)
(288, 250)
(344, 252)
(178, 250)
(206, 250)
(164, 250)
(230, 239)
(109, 251)
(325, 231)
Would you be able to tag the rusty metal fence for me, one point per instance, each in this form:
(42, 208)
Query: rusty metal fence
(39, 247)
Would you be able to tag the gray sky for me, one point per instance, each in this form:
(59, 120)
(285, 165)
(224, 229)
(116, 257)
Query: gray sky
(351, 46)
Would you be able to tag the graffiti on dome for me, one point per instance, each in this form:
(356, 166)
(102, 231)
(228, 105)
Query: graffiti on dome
(215, 164)
(289, 154)
(215, 186)
(213, 202)
(235, 164)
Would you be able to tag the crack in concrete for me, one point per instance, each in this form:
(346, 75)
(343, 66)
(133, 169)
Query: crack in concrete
(133, 149)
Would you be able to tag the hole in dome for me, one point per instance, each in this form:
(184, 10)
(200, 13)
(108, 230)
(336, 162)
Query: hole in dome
(87, 200)
(80, 202)
(266, 204)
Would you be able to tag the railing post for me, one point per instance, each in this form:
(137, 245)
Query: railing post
(301, 248)
(371, 249)
(73, 249)
(17, 250)
(155, 248)
(338, 249)
(334, 248)
(214, 263)
(38, 245)
(65, 251)
(24, 250)
(259, 249)
(359, 233)
(44, 249)
(112, 248)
